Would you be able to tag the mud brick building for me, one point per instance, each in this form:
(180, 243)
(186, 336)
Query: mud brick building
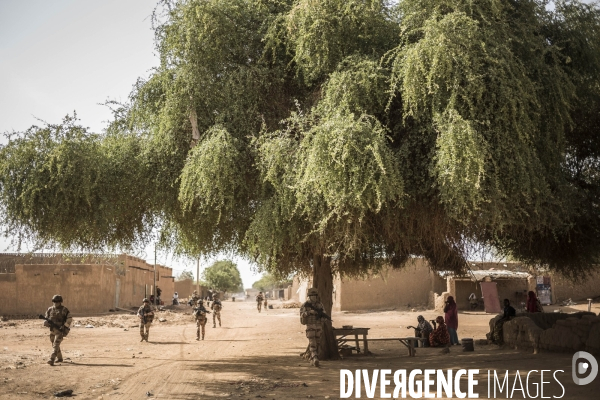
(89, 283)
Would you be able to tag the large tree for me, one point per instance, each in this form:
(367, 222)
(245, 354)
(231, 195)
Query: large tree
(224, 276)
(333, 136)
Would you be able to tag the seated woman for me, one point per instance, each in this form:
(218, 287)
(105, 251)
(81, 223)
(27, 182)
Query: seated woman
(440, 336)
(422, 330)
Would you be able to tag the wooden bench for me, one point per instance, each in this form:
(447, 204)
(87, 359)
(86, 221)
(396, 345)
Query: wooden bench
(406, 341)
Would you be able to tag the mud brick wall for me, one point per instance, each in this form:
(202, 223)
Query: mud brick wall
(410, 286)
(568, 332)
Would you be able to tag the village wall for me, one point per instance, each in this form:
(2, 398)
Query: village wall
(410, 286)
(563, 289)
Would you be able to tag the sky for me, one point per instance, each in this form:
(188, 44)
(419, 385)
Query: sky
(61, 56)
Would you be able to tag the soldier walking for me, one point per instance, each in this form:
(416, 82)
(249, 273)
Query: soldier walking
(311, 313)
(146, 315)
(216, 307)
(259, 300)
(200, 314)
(58, 320)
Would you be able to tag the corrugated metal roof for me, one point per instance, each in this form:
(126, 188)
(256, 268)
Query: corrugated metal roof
(480, 275)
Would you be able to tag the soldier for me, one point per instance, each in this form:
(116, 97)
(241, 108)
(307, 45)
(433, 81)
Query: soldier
(259, 300)
(311, 313)
(216, 307)
(146, 316)
(195, 298)
(59, 321)
(200, 315)
(265, 303)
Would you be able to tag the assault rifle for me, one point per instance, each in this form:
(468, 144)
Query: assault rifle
(64, 329)
(320, 312)
(203, 309)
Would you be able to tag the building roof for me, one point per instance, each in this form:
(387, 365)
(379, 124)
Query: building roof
(480, 275)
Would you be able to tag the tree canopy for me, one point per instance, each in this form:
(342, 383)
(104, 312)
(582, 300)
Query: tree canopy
(301, 132)
(223, 276)
(269, 281)
(185, 275)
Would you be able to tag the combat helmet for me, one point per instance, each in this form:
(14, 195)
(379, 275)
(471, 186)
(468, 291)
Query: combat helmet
(57, 298)
(145, 300)
(313, 292)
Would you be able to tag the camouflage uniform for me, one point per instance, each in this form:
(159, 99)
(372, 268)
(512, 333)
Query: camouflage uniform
(259, 301)
(216, 307)
(200, 315)
(195, 298)
(58, 314)
(146, 321)
(310, 318)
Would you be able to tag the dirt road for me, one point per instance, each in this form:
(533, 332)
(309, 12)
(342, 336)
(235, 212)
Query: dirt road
(251, 356)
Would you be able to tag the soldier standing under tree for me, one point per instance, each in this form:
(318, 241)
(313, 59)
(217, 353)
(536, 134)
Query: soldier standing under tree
(310, 315)
(216, 307)
(200, 315)
(59, 328)
(259, 300)
(146, 316)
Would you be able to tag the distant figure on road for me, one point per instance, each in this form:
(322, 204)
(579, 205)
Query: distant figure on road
(194, 300)
(200, 314)
(259, 300)
(60, 321)
(473, 301)
(175, 299)
(216, 307)
(146, 315)
(265, 303)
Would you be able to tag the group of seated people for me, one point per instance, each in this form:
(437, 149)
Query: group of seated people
(434, 336)
(438, 335)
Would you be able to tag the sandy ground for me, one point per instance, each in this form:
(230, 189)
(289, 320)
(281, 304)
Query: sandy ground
(251, 356)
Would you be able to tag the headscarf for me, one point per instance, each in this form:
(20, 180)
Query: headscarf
(440, 335)
(423, 324)
(451, 313)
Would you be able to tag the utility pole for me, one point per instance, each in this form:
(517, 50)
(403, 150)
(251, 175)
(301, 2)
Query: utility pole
(155, 296)
(198, 276)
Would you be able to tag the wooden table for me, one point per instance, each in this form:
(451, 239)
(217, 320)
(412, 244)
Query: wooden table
(343, 339)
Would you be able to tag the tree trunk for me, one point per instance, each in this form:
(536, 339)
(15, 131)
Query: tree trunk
(323, 281)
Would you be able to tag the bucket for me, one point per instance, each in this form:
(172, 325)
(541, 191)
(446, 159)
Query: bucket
(467, 344)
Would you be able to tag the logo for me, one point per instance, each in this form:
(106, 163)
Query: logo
(584, 363)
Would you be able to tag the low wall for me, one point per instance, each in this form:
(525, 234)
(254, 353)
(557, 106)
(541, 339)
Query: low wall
(568, 333)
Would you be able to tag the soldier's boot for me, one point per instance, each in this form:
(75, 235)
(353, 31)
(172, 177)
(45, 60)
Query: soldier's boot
(219, 322)
(143, 337)
(59, 359)
(50, 362)
(214, 326)
(315, 361)
(197, 338)
(147, 336)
